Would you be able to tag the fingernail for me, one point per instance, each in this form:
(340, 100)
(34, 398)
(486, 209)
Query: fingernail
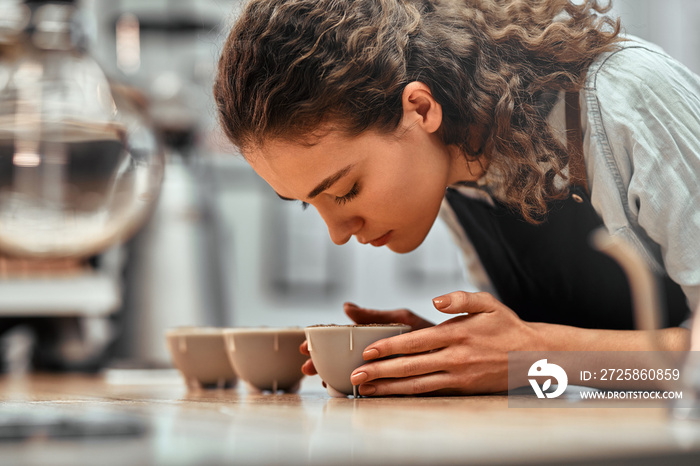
(367, 389)
(370, 354)
(442, 302)
(357, 379)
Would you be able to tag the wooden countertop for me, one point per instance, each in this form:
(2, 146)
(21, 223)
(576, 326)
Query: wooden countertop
(165, 424)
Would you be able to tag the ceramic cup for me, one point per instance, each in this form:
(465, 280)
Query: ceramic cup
(336, 351)
(199, 354)
(267, 359)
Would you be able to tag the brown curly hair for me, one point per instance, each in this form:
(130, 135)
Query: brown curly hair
(290, 66)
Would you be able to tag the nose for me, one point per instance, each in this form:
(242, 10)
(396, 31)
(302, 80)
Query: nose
(341, 229)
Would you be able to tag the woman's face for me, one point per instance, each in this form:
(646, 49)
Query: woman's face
(382, 189)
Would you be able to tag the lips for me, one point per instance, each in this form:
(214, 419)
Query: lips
(382, 240)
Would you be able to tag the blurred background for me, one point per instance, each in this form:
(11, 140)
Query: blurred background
(218, 247)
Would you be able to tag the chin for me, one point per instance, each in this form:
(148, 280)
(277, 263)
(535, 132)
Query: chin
(405, 247)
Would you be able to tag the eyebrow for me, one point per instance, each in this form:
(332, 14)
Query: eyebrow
(325, 184)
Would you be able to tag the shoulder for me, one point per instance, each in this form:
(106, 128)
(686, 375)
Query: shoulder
(642, 114)
(639, 95)
(632, 59)
(638, 70)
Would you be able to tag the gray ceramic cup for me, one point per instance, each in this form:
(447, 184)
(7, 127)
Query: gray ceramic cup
(267, 359)
(336, 351)
(200, 356)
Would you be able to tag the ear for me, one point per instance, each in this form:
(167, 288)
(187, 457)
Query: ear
(420, 107)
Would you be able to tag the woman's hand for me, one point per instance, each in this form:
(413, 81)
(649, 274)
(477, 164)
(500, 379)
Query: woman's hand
(467, 354)
(361, 315)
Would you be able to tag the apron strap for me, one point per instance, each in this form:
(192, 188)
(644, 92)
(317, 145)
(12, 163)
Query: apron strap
(574, 142)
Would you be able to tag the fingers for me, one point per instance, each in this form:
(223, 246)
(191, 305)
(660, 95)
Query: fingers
(406, 366)
(361, 315)
(407, 375)
(459, 302)
(308, 368)
(407, 386)
(419, 341)
(304, 348)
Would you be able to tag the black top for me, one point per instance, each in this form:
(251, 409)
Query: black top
(549, 272)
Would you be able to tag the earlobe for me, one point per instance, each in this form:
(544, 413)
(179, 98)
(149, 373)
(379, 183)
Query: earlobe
(420, 107)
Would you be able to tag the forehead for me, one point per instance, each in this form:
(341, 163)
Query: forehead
(288, 153)
(295, 167)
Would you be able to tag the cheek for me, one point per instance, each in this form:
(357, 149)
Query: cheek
(407, 188)
(391, 200)
(406, 202)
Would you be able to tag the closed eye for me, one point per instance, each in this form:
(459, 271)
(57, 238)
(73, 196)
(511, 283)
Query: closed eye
(349, 196)
(304, 205)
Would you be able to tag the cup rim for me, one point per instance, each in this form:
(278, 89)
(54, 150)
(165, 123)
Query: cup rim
(356, 326)
(193, 330)
(262, 330)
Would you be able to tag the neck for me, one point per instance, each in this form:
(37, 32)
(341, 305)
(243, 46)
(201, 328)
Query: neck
(464, 168)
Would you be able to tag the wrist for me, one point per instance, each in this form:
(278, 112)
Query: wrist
(542, 336)
(555, 337)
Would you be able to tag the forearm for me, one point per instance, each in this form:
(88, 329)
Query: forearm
(555, 337)
(695, 342)
(607, 359)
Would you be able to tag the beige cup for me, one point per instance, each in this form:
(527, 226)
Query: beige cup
(267, 359)
(199, 354)
(336, 351)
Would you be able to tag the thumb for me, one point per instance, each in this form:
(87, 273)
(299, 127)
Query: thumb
(459, 302)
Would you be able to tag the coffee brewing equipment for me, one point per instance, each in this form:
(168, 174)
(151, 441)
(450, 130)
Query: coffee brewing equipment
(80, 167)
(80, 171)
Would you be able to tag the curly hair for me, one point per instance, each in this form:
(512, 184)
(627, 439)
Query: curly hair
(290, 66)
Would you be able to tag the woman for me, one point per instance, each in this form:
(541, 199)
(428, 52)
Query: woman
(528, 124)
